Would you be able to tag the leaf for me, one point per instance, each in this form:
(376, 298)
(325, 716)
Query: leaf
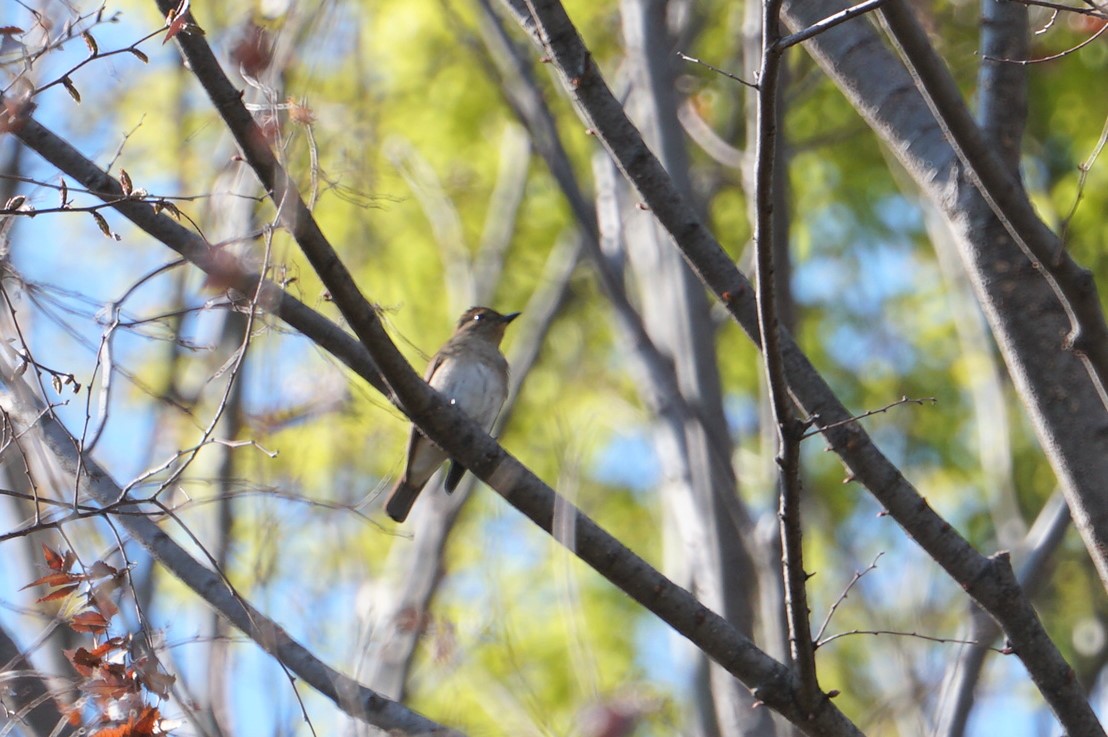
(142, 57)
(125, 183)
(65, 194)
(176, 20)
(103, 225)
(83, 660)
(11, 31)
(61, 578)
(167, 206)
(15, 202)
(100, 569)
(92, 622)
(53, 560)
(57, 382)
(91, 43)
(71, 89)
(146, 670)
(58, 594)
(114, 643)
(103, 602)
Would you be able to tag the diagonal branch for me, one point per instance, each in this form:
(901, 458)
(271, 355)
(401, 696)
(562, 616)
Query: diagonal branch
(1073, 285)
(464, 440)
(769, 680)
(27, 413)
(989, 581)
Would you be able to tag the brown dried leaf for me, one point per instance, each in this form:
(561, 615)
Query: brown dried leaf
(169, 207)
(102, 601)
(141, 56)
(92, 622)
(71, 89)
(157, 682)
(125, 183)
(100, 569)
(82, 658)
(103, 225)
(91, 43)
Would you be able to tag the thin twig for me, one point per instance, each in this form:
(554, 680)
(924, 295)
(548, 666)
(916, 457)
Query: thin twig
(1084, 168)
(827, 23)
(1052, 57)
(903, 400)
(1094, 11)
(842, 597)
(929, 638)
(685, 57)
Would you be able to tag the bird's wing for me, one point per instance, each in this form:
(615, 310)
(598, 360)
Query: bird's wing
(425, 449)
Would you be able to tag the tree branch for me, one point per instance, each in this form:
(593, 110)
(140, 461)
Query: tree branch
(1073, 285)
(27, 412)
(987, 580)
(790, 431)
(769, 680)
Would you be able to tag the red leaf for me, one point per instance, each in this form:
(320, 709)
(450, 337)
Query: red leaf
(176, 20)
(92, 622)
(83, 661)
(115, 643)
(147, 722)
(53, 579)
(59, 594)
(53, 560)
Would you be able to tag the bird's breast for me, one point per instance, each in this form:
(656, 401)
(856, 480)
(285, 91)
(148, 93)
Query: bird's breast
(476, 387)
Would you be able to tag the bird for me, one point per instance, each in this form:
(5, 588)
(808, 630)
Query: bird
(471, 373)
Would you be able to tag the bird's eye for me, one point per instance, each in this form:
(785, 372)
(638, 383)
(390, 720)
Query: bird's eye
(478, 316)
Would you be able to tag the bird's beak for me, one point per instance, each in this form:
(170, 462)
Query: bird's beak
(509, 317)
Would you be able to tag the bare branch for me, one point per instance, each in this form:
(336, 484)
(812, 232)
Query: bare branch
(790, 430)
(989, 581)
(94, 482)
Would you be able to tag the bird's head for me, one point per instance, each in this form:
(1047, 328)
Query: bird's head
(485, 322)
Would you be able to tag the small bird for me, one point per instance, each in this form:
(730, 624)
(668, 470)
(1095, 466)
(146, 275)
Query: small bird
(472, 373)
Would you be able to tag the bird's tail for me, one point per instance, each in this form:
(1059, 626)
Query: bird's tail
(401, 499)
